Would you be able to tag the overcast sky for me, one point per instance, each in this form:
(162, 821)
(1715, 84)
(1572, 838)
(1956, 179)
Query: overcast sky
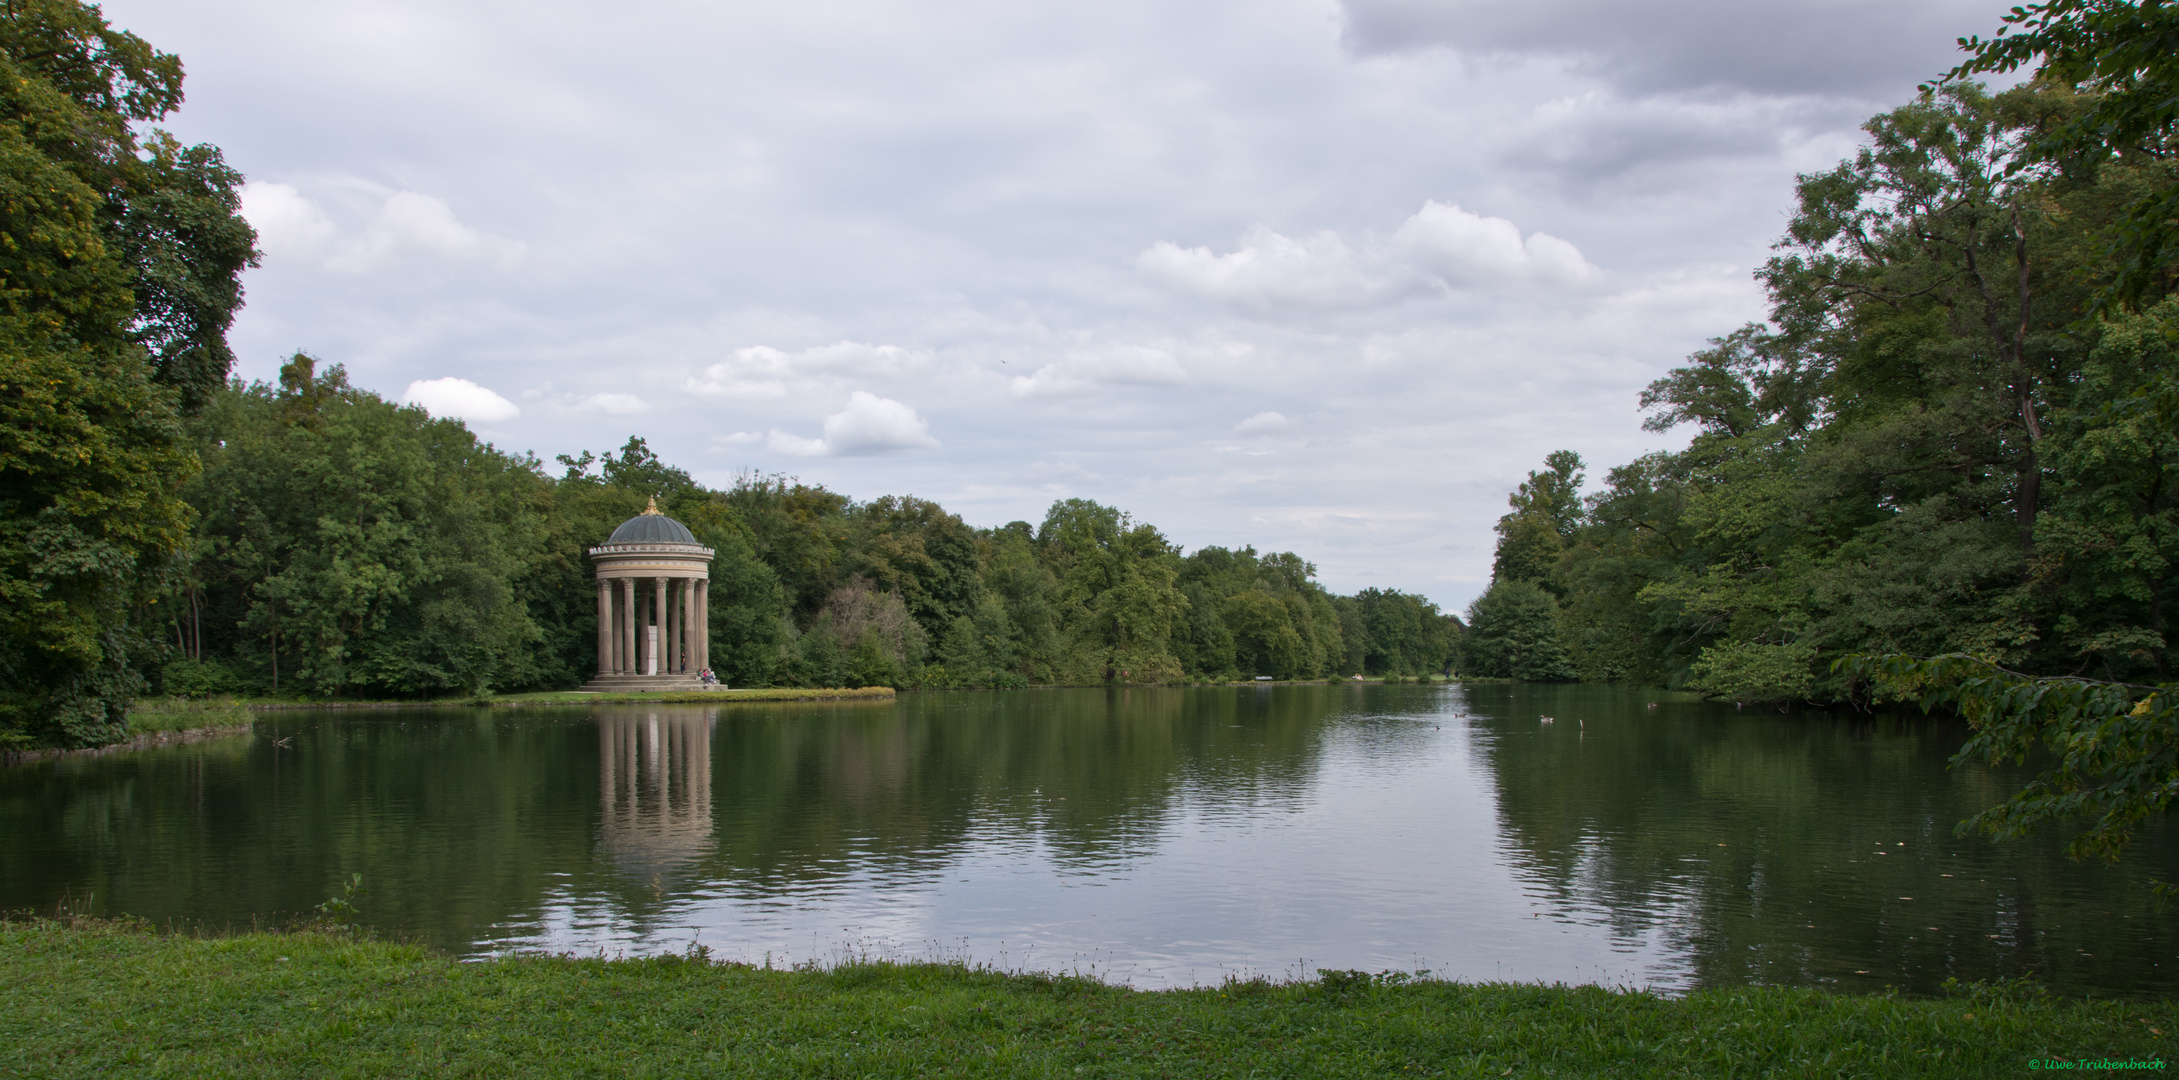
(1313, 276)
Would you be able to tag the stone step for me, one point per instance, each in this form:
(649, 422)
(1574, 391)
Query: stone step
(628, 684)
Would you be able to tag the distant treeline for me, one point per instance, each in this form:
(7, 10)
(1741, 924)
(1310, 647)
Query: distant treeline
(1958, 432)
(349, 546)
(164, 529)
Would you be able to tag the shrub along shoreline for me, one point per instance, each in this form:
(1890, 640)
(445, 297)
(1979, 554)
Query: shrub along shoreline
(112, 997)
(175, 714)
(156, 722)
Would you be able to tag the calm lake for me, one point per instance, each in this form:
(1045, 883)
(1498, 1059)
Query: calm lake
(1147, 836)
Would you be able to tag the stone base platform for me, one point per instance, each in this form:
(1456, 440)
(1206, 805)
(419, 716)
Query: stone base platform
(646, 684)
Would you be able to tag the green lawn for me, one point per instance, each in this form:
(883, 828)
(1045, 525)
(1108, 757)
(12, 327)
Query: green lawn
(109, 999)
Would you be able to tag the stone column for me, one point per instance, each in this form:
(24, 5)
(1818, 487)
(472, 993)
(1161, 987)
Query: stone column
(658, 596)
(665, 626)
(688, 627)
(605, 631)
(703, 623)
(628, 626)
(680, 624)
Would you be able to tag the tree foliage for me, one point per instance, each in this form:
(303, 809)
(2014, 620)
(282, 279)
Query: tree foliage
(2116, 744)
(1924, 450)
(2125, 55)
(1513, 632)
(1956, 435)
(348, 546)
(120, 257)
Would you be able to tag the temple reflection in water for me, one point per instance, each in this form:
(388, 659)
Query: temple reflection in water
(654, 790)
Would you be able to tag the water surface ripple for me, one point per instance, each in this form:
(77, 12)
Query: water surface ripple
(1151, 836)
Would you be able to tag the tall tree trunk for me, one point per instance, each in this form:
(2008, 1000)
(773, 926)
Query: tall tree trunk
(2026, 497)
(2012, 346)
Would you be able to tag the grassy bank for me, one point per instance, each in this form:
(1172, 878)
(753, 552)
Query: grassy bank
(107, 999)
(151, 716)
(161, 706)
(706, 697)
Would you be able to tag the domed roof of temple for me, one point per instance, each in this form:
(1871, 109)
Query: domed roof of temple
(652, 527)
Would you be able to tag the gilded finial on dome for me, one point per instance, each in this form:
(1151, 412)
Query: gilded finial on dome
(652, 509)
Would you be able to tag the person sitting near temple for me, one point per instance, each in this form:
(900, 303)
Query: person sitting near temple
(707, 677)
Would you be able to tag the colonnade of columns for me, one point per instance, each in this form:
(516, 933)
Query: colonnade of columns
(653, 626)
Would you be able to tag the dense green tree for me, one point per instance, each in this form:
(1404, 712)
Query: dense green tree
(749, 620)
(1751, 672)
(1513, 632)
(1953, 438)
(1403, 634)
(2125, 55)
(359, 547)
(119, 264)
(2108, 550)
(1924, 451)
(326, 555)
(1546, 509)
(1251, 614)
(1118, 594)
(560, 592)
(798, 530)
(1016, 630)
(913, 547)
(1264, 639)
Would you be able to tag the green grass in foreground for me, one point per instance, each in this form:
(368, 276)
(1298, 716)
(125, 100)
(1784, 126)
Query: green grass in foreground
(111, 999)
(152, 715)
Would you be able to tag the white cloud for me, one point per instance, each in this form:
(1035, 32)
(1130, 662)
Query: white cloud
(288, 225)
(1270, 270)
(854, 357)
(779, 442)
(612, 404)
(762, 373)
(460, 398)
(412, 225)
(1441, 247)
(407, 226)
(1117, 365)
(893, 199)
(1465, 250)
(869, 425)
(752, 375)
(1262, 423)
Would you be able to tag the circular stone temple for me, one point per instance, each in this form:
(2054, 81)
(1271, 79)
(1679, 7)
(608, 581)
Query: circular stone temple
(654, 605)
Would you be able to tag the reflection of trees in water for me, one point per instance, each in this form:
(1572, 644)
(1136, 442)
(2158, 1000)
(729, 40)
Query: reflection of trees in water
(654, 790)
(1750, 839)
(465, 819)
(809, 796)
(454, 817)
